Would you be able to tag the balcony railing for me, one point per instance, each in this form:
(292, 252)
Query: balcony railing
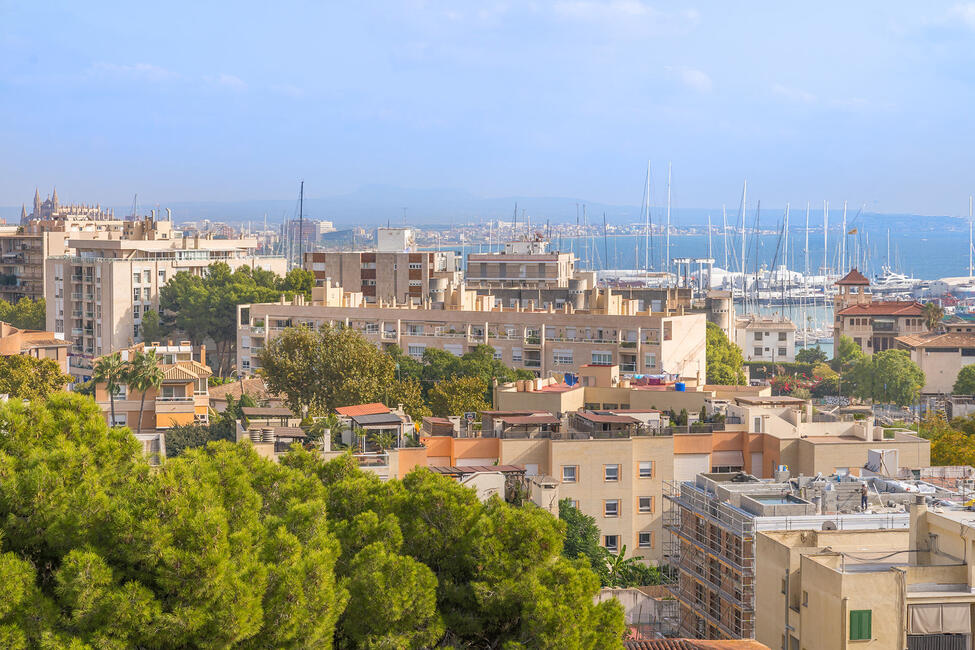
(533, 363)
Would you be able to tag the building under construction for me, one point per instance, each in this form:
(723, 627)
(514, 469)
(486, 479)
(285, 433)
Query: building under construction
(712, 523)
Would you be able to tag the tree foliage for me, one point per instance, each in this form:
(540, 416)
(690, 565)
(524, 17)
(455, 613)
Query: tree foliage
(724, 359)
(846, 354)
(457, 396)
(26, 314)
(438, 365)
(205, 307)
(965, 382)
(325, 368)
(888, 377)
(29, 378)
(950, 443)
(813, 355)
(932, 313)
(219, 548)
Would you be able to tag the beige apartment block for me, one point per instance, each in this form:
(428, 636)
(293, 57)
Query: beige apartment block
(521, 264)
(183, 398)
(840, 589)
(33, 343)
(543, 341)
(97, 295)
(404, 276)
(766, 338)
(941, 356)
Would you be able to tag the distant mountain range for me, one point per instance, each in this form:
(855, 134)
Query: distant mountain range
(375, 205)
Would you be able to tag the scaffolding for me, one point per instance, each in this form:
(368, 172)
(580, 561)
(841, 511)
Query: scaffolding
(711, 545)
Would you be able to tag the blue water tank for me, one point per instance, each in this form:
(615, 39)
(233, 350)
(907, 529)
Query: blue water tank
(680, 387)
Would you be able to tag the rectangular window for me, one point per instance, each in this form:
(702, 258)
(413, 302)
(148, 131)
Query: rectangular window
(147, 276)
(135, 294)
(645, 540)
(612, 543)
(611, 473)
(646, 505)
(782, 336)
(782, 352)
(611, 508)
(650, 359)
(136, 311)
(515, 355)
(562, 357)
(570, 473)
(416, 351)
(136, 277)
(246, 364)
(602, 358)
(415, 266)
(162, 278)
(758, 336)
(146, 294)
(758, 352)
(646, 469)
(860, 625)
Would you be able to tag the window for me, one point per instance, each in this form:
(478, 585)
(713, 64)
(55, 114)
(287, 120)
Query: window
(651, 360)
(136, 277)
(246, 364)
(415, 266)
(782, 336)
(416, 283)
(612, 543)
(860, 625)
(515, 355)
(135, 294)
(147, 276)
(146, 294)
(416, 351)
(575, 503)
(562, 357)
(136, 311)
(611, 508)
(645, 540)
(805, 599)
(162, 278)
(602, 358)
(646, 469)
(570, 473)
(646, 505)
(611, 472)
(782, 352)
(758, 352)
(758, 336)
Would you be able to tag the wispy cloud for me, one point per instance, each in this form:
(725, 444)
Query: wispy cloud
(963, 12)
(141, 71)
(231, 81)
(695, 79)
(793, 94)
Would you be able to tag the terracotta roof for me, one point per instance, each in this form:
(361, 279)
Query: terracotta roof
(253, 386)
(853, 278)
(185, 371)
(949, 340)
(363, 409)
(884, 308)
(695, 644)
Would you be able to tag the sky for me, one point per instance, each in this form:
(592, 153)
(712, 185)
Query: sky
(870, 102)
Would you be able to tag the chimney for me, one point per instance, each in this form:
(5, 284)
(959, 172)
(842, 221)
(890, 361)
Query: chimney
(203, 354)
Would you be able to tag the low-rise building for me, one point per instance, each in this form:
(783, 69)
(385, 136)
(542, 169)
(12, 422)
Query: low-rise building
(941, 356)
(911, 588)
(766, 338)
(34, 343)
(874, 325)
(183, 397)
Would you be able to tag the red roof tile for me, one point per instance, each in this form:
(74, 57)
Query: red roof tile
(884, 308)
(363, 409)
(853, 278)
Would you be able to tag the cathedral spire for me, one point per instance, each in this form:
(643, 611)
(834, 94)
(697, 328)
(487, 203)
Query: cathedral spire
(54, 198)
(23, 212)
(37, 203)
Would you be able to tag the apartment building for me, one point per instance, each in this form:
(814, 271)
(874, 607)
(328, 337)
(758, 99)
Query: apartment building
(613, 332)
(941, 356)
(183, 398)
(724, 577)
(824, 589)
(521, 264)
(766, 338)
(97, 294)
(33, 343)
(874, 325)
(404, 276)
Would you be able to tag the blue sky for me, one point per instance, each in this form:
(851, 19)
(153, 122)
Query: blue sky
(196, 101)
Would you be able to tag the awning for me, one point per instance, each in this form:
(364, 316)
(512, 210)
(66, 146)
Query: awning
(727, 459)
(939, 618)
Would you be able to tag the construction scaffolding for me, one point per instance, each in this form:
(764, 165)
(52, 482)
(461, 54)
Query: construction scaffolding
(712, 549)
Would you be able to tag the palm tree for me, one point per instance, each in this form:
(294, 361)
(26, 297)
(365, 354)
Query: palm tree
(933, 313)
(383, 438)
(111, 370)
(620, 567)
(144, 374)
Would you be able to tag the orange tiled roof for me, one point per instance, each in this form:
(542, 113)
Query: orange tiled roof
(853, 278)
(884, 308)
(949, 340)
(363, 409)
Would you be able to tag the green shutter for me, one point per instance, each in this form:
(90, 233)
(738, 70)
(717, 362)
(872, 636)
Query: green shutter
(860, 625)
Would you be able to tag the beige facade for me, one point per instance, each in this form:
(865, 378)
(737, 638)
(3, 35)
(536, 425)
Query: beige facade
(870, 589)
(523, 265)
(404, 276)
(32, 343)
(940, 356)
(543, 341)
(183, 398)
(771, 339)
(874, 325)
(97, 295)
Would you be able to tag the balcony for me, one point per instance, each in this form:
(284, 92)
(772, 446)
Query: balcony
(628, 367)
(533, 363)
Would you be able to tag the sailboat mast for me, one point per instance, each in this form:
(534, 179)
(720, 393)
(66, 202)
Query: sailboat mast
(744, 203)
(667, 260)
(970, 236)
(807, 239)
(646, 229)
(843, 264)
(825, 245)
(301, 223)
